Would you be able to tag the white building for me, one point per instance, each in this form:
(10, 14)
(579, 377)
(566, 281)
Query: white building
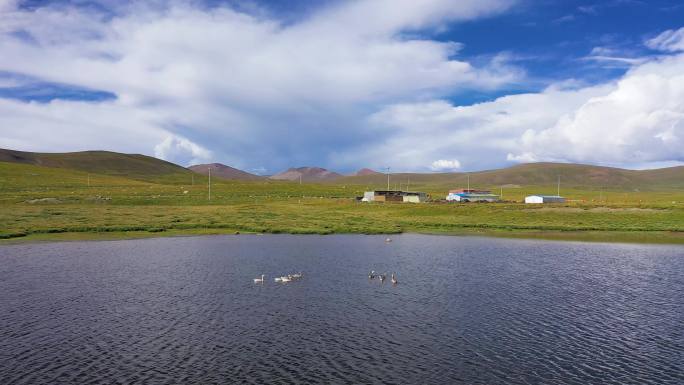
(544, 199)
(470, 195)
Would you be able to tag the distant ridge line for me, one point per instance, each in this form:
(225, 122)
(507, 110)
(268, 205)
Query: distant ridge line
(147, 168)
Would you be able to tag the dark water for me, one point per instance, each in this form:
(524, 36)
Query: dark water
(466, 310)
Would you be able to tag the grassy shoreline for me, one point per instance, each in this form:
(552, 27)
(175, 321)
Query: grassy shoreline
(639, 237)
(40, 203)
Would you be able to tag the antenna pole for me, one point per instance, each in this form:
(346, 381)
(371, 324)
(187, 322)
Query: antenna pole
(209, 183)
(388, 170)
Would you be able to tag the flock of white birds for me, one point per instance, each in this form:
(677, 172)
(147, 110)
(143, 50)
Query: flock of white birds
(296, 276)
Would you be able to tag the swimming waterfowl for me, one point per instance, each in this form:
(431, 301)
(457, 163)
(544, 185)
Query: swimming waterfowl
(371, 275)
(259, 280)
(382, 277)
(394, 279)
(388, 240)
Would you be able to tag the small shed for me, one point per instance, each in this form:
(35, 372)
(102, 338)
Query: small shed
(415, 197)
(544, 199)
(394, 196)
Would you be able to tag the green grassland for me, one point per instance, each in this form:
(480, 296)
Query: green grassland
(49, 203)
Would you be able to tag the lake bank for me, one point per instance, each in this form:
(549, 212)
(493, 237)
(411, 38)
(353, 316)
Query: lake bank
(635, 237)
(577, 222)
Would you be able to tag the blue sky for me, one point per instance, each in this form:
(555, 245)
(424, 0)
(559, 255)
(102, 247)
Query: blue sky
(436, 85)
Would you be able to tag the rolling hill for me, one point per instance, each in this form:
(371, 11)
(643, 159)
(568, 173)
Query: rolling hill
(537, 174)
(223, 171)
(366, 171)
(132, 166)
(150, 169)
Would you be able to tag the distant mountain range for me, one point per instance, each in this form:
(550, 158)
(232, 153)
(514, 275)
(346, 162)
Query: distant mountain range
(542, 173)
(366, 171)
(226, 172)
(307, 174)
(146, 168)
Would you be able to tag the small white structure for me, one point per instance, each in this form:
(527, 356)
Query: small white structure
(471, 195)
(415, 198)
(544, 199)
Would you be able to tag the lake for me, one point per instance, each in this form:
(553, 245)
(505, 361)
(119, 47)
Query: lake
(466, 310)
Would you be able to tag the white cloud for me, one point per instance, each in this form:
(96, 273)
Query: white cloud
(445, 165)
(670, 41)
(247, 87)
(479, 136)
(626, 61)
(180, 150)
(204, 84)
(639, 121)
(75, 126)
(8, 5)
(525, 157)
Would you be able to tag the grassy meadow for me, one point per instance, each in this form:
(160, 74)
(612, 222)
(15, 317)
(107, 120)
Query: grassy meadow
(43, 203)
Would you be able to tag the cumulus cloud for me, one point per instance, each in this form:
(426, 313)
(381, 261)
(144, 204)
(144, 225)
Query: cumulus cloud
(76, 126)
(445, 165)
(671, 40)
(180, 150)
(197, 84)
(245, 86)
(636, 121)
(639, 121)
(479, 136)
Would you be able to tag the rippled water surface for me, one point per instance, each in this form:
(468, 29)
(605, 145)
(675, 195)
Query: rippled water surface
(466, 310)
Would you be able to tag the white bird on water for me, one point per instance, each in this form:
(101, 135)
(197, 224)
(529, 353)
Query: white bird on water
(259, 280)
(283, 279)
(394, 279)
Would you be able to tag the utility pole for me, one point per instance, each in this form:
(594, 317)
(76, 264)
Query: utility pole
(468, 175)
(300, 178)
(558, 192)
(193, 179)
(408, 184)
(388, 170)
(501, 193)
(209, 183)
(88, 180)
